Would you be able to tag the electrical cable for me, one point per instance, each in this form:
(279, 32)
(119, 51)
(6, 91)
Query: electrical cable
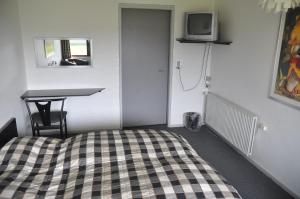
(200, 77)
(204, 65)
(205, 71)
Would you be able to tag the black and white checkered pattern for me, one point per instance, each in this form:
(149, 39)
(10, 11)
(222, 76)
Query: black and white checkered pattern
(108, 164)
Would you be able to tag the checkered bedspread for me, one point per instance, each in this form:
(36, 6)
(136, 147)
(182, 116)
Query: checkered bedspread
(108, 164)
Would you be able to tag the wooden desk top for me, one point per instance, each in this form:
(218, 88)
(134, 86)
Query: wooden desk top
(60, 92)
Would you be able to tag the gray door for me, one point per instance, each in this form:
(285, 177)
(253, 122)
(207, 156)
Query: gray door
(145, 66)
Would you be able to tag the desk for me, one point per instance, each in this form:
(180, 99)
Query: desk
(45, 119)
(60, 93)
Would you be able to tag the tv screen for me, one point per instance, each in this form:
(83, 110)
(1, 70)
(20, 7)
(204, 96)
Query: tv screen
(199, 24)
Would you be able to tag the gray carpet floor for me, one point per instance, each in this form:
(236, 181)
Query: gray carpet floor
(246, 178)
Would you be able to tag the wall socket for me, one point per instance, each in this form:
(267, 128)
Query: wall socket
(207, 81)
(179, 64)
(208, 78)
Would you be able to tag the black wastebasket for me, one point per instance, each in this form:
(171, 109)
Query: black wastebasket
(192, 120)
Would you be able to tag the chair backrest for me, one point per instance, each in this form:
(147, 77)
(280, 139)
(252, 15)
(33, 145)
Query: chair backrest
(44, 109)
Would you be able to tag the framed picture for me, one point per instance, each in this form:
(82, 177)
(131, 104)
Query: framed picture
(49, 48)
(286, 75)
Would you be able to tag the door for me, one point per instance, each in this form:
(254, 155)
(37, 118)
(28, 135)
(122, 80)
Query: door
(145, 66)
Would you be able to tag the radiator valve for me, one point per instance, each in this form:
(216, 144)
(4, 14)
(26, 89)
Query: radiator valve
(263, 127)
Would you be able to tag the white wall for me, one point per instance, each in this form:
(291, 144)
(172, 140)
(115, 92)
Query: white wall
(99, 20)
(242, 73)
(12, 73)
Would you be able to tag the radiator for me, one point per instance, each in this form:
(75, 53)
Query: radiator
(234, 123)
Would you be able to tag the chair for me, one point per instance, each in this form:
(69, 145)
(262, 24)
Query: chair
(45, 119)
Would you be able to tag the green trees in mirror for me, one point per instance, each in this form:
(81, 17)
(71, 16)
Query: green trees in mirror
(69, 52)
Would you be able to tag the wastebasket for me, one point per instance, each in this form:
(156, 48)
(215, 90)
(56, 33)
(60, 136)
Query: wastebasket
(192, 120)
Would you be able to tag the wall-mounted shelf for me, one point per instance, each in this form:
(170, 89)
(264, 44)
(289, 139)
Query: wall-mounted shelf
(182, 40)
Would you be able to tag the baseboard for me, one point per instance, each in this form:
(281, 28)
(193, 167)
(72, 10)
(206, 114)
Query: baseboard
(256, 165)
(175, 125)
(269, 175)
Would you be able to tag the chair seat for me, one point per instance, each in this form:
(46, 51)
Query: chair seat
(44, 118)
(54, 118)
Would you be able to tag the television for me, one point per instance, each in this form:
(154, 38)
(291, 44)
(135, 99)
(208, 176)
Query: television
(201, 26)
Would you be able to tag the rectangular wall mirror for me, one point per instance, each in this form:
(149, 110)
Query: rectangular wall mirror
(66, 52)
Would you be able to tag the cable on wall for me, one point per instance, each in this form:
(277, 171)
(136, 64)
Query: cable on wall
(205, 72)
(203, 69)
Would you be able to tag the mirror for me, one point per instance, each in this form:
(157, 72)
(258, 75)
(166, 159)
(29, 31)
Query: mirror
(67, 52)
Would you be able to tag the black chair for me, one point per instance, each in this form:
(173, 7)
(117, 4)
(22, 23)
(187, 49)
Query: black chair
(45, 119)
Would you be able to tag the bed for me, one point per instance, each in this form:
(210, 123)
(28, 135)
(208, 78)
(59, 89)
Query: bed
(107, 164)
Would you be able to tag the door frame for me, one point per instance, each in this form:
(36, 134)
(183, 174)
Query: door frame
(170, 8)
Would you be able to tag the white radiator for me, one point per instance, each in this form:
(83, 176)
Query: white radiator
(236, 124)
